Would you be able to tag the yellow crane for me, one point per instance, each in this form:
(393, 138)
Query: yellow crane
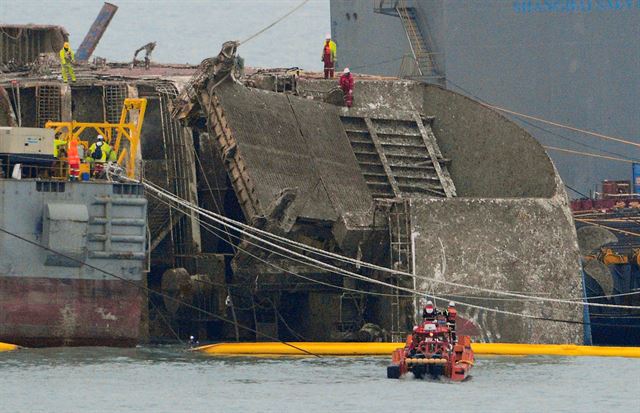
(123, 137)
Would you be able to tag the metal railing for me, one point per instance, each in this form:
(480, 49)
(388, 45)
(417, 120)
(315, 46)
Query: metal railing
(385, 6)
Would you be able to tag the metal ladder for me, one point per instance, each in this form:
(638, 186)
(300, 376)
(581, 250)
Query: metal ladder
(401, 259)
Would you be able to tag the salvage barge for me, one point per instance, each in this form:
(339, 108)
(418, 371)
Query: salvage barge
(412, 177)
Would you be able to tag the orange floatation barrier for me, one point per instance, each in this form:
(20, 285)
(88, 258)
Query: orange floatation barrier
(385, 349)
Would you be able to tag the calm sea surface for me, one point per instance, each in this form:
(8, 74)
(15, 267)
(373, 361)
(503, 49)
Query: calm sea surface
(169, 379)
(188, 31)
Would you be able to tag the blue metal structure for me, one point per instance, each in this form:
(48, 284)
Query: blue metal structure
(96, 31)
(636, 178)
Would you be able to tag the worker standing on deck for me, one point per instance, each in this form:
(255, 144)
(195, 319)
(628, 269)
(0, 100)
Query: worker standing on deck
(100, 152)
(346, 84)
(452, 315)
(73, 158)
(111, 155)
(66, 59)
(329, 57)
(429, 312)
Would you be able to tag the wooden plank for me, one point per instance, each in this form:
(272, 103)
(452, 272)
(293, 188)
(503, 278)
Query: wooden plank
(432, 147)
(383, 157)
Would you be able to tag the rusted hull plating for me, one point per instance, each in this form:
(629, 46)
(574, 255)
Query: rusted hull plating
(42, 312)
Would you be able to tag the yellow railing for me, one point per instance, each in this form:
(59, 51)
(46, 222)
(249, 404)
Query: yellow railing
(129, 129)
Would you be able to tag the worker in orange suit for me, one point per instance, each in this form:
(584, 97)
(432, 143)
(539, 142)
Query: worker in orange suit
(452, 315)
(329, 57)
(74, 160)
(346, 84)
(66, 59)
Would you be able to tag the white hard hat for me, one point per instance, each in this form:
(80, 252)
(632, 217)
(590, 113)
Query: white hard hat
(100, 137)
(346, 70)
(429, 302)
(452, 304)
(328, 36)
(191, 337)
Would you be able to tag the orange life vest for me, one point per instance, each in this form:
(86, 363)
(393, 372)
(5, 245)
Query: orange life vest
(453, 313)
(73, 156)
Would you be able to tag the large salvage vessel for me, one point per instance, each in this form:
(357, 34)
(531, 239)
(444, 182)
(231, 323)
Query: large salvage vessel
(72, 253)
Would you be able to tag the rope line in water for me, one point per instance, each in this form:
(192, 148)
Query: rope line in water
(487, 104)
(240, 227)
(149, 290)
(495, 310)
(593, 155)
(210, 228)
(560, 125)
(258, 33)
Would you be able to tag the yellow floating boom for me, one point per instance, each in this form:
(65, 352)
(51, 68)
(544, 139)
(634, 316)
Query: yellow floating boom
(385, 349)
(7, 347)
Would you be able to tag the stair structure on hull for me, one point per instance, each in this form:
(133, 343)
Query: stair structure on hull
(422, 64)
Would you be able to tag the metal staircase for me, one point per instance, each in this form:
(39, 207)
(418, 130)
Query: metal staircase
(399, 156)
(426, 67)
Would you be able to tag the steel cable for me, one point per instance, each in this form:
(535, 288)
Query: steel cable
(240, 227)
(149, 290)
(236, 226)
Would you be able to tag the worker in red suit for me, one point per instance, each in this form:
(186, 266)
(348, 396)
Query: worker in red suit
(452, 315)
(329, 57)
(346, 84)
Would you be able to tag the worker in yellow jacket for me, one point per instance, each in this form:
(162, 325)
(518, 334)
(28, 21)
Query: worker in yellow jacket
(100, 153)
(329, 57)
(66, 59)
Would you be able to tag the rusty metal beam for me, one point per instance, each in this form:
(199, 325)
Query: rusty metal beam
(96, 31)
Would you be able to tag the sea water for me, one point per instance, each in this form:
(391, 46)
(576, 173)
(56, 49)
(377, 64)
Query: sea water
(173, 379)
